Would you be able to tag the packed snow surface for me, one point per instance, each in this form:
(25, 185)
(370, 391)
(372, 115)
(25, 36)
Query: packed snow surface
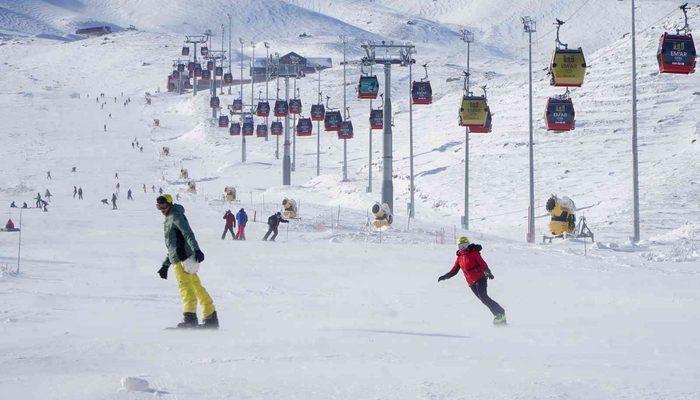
(334, 309)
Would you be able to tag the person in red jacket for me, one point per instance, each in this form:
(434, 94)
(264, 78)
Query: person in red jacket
(230, 224)
(476, 271)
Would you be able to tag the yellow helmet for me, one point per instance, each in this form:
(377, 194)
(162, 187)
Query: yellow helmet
(166, 198)
(462, 240)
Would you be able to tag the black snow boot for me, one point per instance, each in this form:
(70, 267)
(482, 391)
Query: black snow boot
(210, 322)
(190, 321)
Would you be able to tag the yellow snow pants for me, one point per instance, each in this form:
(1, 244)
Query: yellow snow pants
(192, 291)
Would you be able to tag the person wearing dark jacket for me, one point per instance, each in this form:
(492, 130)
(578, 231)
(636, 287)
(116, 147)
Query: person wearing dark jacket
(230, 224)
(184, 253)
(476, 271)
(242, 219)
(272, 224)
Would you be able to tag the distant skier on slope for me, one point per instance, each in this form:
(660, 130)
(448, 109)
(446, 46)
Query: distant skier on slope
(476, 271)
(129, 195)
(38, 200)
(273, 222)
(114, 201)
(230, 224)
(242, 218)
(185, 254)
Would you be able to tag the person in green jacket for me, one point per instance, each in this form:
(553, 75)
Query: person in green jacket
(184, 253)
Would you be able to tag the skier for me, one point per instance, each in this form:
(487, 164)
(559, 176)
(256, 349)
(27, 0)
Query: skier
(38, 200)
(44, 204)
(153, 188)
(24, 204)
(80, 193)
(476, 271)
(75, 191)
(177, 196)
(141, 149)
(116, 175)
(242, 219)
(47, 194)
(105, 127)
(160, 190)
(272, 224)
(230, 224)
(185, 254)
(114, 201)
(13, 205)
(118, 186)
(48, 175)
(128, 195)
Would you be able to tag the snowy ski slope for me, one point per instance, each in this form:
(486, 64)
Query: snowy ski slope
(329, 311)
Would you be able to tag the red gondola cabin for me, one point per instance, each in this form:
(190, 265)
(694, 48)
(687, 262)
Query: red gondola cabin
(376, 119)
(332, 121)
(234, 129)
(223, 121)
(276, 128)
(304, 127)
(560, 115)
(676, 54)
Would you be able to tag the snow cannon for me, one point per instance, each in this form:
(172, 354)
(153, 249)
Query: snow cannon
(289, 207)
(562, 210)
(230, 193)
(382, 216)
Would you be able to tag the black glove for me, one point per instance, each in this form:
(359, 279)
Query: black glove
(199, 256)
(442, 278)
(488, 273)
(163, 271)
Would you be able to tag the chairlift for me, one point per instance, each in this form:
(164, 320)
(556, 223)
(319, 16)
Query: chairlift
(214, 102)
(560, 115)
(204, 51)
(421, 91)
(281, 108)
(261, 131)
(368, 87)
(223, 121)
(185, 51)
(248, 128)
(237, 105)
(318, 111)
(276, 128)
(228, 78)
(568, 66)
(676, 53)
(234, 129)
(304, 127)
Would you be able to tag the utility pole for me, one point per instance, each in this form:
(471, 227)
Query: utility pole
(403, 59)
(286, 161)
(277, 97)
(230, 55)
(344, 40)
(195, 40)
(318, 129)
(467, 37)
(411, 208)
(252, 80)
(223, 56)
(530, 26)
(635, 157)
(294, 136)
(242, 135)
(369, 165)
(267, 79)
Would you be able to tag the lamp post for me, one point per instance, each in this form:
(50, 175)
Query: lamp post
(530, 26)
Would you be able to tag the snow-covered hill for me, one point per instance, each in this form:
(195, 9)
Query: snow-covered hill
(330, 312)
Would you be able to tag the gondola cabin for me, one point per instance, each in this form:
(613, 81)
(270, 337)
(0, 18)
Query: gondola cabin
(318, 112)
(346, 130)
(421, 92)
(210, 65)
(560, 115)
(190, 66)
(568, 67)
(676, 54)
(223, 121)
(234, 129)
(276, 128)
(175, 75)
(185, 51)
(206, 76)
(214, 102)
(332, 121)
(261, 131)
(486, 128)
(204, 50)
(219, 71)
(237, 105)
(181, 67)
(473, 111)
(248, 129)
(304, 127)
(295, 106)
(368, 87)
(376, 119)
(281, 108)
(228, 78)
(263, 109)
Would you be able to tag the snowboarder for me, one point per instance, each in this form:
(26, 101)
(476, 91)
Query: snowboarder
(38, 200)
(185, 254)
(476, 271)
(128, 195)
(75, 191)
(242, 219)
(80, 193)
(230, 224)
(272, 224)
(114, 201)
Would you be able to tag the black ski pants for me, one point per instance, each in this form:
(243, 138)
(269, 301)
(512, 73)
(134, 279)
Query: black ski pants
(228, 229)
(273, 231)
(479, 288)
